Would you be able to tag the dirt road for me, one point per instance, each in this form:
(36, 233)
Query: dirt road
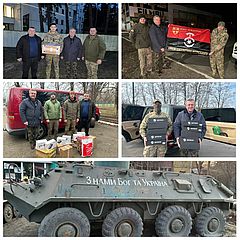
(106, 144)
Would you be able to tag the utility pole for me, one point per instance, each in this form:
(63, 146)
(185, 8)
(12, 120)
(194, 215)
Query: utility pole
(133, 93)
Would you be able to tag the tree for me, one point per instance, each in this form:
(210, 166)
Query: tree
(41, 17)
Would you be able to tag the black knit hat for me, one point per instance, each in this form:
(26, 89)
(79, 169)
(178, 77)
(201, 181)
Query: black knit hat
(141, 16)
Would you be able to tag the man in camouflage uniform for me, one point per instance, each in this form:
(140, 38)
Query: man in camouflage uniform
(155, 150)
(70, 110)
(139, 36)
(52, 37)
(219, 39)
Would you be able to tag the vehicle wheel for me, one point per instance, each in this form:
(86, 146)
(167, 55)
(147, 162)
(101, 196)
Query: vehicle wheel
(126, 136)
(42, 131)
(122, 222)
(16, 213)
(64, 222)
(210, 222)
(8, 213)
(173, 221)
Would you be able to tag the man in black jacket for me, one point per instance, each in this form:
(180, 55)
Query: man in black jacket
(86, 114)
(71, 53)
(29, 52)
(31, 113)
(158, 36)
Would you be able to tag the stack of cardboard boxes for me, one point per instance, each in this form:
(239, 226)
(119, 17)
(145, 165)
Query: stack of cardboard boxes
(156, 131)
(190, 134)
(46, 149)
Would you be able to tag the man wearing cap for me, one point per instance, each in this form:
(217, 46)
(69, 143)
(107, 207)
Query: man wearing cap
(158, 150)
(70, 110)
(219, 39)
(53, 115)
(158, 36)
(54, 38)
(189, 114)
(139, 36)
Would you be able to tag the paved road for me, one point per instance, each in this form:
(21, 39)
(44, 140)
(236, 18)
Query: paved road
(208, 149)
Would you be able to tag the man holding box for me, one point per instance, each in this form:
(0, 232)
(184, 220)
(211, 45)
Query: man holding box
(189, 130)
(155, 129)
(52, 46)
(53, 115)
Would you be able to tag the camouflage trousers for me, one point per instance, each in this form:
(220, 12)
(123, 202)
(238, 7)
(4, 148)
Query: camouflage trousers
(158, 61)
(217, 64)
(155, 151)
(32, 134)
(92, 69)
(71, 70)
(70, 127)
(52, 60)
(53, 129)
(189, 153)
(145, 60)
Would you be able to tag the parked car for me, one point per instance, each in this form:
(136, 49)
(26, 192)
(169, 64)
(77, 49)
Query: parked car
(219, 114)
(16, 95)
(234, 52)
(132, 116)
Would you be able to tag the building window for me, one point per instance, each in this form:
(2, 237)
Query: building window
(57, 9)
(8, 11)
(62, 22)
(62, 11)
(70, 13)
(8, 26)
(56, 21)
(26, 22)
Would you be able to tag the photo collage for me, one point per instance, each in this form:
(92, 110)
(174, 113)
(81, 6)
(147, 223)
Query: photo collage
(106, 108)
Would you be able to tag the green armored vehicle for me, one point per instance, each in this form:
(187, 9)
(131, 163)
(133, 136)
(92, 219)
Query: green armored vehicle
(71, 199)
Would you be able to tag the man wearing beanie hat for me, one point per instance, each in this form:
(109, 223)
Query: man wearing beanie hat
(139, 36)
(53, 115)
(219, 39)
(157, 150)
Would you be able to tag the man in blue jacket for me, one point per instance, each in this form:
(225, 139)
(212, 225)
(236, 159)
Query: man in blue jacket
(158, 36)
(31, 113)
(189, 114)
(72, 53)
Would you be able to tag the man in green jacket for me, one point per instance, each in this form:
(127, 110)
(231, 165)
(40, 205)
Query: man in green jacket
(139, 36)
(71, 108)
(53, 115)
(94, 52)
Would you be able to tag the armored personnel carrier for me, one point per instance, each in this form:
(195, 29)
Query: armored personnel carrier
(71, 199)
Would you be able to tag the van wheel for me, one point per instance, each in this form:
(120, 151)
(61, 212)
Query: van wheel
(122, 222)
(126, 136)
(8, 213)
(210, 222)
(42, 131)
(173, 221)
(65, 222)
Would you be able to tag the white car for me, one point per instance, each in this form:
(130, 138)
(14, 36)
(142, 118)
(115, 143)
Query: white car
(234, 53)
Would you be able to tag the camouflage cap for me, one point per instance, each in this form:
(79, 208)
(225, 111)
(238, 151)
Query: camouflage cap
(221, 23)
(156, 100)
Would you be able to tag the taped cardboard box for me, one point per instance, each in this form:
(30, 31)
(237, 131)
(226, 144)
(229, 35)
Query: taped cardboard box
(40, 144)
(61, 141)
(51, 153)
(51, 144)
(52, 49)
(68, 138)
(66, 151)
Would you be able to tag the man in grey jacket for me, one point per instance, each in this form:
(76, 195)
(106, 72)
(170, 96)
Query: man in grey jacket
(189, 114)
(31, 113)
(72, 53)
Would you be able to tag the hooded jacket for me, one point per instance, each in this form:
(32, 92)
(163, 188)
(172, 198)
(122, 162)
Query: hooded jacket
(70, 109)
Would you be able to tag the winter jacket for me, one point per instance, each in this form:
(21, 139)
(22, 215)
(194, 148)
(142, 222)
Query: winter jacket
(218, 40)
(52, 110)
(139, 36)
(158, 36)
(23, 48)
(94, 48)
(184, 116)
(72, 49)
(31, 112)
(91, 110)
(70, 109)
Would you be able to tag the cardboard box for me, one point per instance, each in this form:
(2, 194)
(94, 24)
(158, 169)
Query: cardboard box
(40, 144)
(51, 144)
(66, 151)
(51, 153)
(156, 142)
(87, 147)
(68, 138)
(79, 142)
(78, 134)
(94, 141)
(189, 143)
(160, 123)
(52, 49)
(61, 141)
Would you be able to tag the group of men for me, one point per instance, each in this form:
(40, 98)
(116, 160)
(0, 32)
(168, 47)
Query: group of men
(188, 114)
(151, 43)
(75, 114)
(92, 51)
